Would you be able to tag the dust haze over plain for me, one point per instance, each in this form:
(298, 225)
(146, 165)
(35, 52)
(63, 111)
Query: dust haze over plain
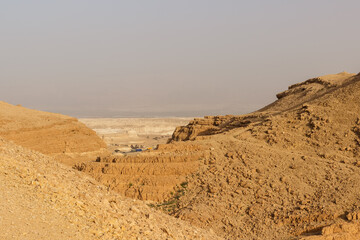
(169, 58)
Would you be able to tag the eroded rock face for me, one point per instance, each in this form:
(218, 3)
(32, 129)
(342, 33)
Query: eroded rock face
(211, 125)
(44, 199)
(48, 133)
(152, 175)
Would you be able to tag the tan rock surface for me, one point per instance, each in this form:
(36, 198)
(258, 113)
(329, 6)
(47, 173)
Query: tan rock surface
(43, 199)
(151, 175)
(287, 171)
(49, 133)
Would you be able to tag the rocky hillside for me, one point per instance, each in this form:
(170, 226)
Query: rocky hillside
(295, 96)
(49, 133)
(43, 199)
(288, 171)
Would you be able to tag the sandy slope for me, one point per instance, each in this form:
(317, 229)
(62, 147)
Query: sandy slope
(49, 133)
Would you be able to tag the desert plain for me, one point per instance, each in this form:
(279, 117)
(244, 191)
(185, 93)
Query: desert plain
(122, 133)
(290, 170)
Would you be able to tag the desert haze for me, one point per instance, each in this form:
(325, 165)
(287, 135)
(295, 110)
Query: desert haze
(290, 170)
(122, 133)
(179, 120)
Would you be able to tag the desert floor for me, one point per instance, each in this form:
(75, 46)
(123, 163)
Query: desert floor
(120, 133)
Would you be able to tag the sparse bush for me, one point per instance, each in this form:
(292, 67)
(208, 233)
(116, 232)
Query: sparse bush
(184, 184)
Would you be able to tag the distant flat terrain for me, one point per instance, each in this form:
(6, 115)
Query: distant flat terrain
(121, 133)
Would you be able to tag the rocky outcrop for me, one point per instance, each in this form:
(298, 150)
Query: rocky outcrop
(295, 96)
(340, 231)
(199, 127)
(152, 175)
(308, 90)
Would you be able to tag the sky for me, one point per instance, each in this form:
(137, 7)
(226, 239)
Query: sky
(117, 58)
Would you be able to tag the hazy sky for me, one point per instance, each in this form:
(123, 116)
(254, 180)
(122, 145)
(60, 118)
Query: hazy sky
(167, 57)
